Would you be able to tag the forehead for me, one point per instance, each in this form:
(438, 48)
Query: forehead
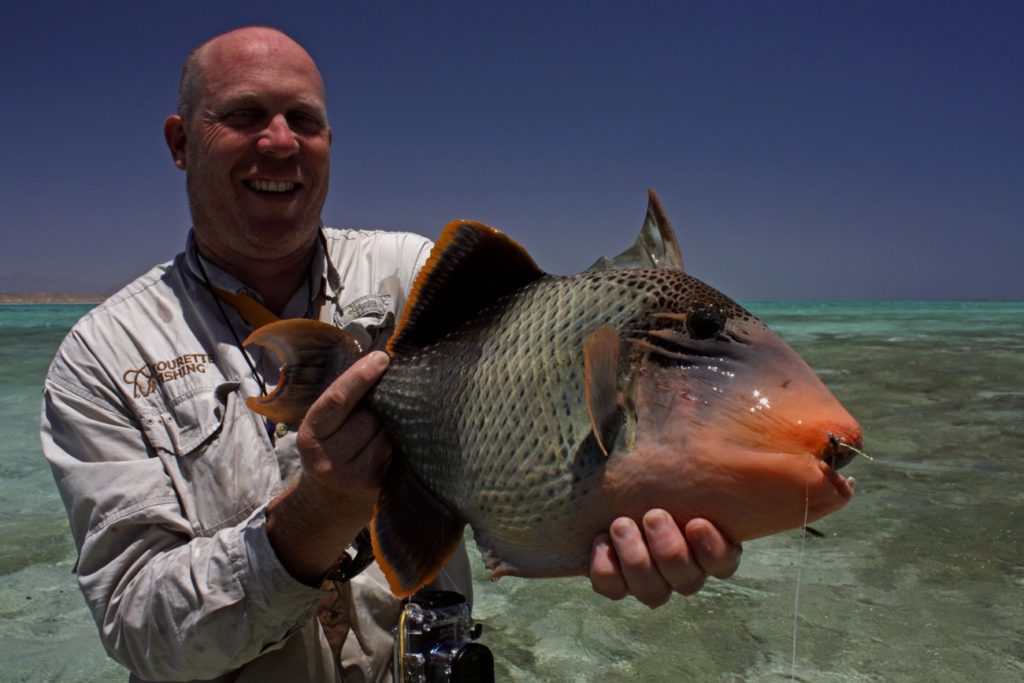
(259, 69)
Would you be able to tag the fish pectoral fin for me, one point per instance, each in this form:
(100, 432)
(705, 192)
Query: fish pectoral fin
(312, 354)
(601, 351)
(470, 267)
(413, 532)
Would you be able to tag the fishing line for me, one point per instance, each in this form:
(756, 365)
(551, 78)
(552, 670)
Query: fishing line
(799, 571)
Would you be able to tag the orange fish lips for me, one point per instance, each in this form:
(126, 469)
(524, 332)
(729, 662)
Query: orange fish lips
(750, 439)
(828, 490)
(837, 453)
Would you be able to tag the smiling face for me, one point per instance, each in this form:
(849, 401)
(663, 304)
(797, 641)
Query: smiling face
(255, 148)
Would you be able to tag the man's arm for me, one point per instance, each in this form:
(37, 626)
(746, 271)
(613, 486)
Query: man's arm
(168, 605)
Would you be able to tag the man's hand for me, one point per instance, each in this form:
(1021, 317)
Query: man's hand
(344, 453)
(343, 447)
(653, 563)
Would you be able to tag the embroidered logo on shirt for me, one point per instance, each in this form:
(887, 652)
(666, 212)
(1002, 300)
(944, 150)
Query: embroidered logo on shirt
(375, 306)
(144, 380)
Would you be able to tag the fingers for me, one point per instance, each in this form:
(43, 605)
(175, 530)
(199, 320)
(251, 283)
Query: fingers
(605, 573)
(343, 446)
(360, 447)
(351, 437)
(671, 553)
(639, 572)
(334, 406)
(713, 552)
(655, 560)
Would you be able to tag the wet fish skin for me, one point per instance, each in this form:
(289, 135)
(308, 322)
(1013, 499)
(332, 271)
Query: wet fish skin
(561, 403)
(529, 475)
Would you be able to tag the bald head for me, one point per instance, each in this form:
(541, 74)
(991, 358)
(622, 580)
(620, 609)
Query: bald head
(253, 139)
(239, 43)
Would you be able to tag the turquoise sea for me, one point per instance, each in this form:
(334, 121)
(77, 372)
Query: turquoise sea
(921, 578)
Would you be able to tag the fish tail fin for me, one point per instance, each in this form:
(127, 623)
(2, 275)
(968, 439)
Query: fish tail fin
(313, 354)
(413, 532)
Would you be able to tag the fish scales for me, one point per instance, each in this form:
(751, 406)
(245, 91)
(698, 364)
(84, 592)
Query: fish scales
(492, 449)
(539, 408)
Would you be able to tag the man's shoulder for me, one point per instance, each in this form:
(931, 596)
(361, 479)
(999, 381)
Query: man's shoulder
(126, 317)
(376, 253)
(374, 238)
(138, 294)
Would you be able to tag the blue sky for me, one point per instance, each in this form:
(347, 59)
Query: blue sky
(804, 150)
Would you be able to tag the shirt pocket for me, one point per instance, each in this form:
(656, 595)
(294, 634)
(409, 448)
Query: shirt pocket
(219, 457)
(370, 319)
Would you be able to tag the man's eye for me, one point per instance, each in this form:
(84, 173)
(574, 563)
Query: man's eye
(305, 124)
(242, 117)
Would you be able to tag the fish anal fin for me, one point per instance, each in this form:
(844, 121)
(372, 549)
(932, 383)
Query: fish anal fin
(312, 355)
(413, 532)
(655, 247)
(601, 351)
(472, 265)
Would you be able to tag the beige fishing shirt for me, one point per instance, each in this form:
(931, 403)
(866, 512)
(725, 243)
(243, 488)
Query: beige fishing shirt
(165, 473)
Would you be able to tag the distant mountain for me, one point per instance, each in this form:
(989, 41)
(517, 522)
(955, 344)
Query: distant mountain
(21, 282)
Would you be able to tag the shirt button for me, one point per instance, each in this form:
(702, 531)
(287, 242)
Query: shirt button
(280, 430)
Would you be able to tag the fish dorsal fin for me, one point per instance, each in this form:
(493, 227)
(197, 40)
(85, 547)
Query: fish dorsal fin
(601, 350)
(655, 247)
(471, 266)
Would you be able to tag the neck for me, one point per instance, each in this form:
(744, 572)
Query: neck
(275, 280)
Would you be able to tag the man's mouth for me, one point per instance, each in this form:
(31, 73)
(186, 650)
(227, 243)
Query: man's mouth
(271, 186)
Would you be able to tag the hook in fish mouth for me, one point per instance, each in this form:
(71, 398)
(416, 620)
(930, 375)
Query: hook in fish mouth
(837, 452)
(840, 451)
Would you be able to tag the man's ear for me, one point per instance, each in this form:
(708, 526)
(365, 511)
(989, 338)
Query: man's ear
(174, 134)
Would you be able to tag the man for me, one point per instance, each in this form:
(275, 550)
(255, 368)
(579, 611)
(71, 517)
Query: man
(204, 533)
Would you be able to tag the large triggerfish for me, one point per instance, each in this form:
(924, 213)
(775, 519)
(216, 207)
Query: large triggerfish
(538, 408)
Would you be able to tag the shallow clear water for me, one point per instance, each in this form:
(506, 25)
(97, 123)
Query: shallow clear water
(920, 578)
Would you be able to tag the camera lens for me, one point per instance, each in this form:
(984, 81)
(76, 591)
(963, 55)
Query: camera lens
(474, 663)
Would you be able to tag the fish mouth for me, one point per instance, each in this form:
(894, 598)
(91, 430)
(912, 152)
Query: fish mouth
(838, 452)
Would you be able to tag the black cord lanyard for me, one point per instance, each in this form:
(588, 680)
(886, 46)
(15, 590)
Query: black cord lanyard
(227, 321)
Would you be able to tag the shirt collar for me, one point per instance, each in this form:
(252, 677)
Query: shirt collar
(302, 301)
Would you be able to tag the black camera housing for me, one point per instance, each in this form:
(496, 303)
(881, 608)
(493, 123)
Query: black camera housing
(434, 642)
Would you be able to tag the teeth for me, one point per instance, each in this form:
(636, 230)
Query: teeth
(271, 185)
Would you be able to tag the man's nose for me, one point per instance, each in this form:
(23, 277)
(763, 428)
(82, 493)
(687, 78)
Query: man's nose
(278, 139)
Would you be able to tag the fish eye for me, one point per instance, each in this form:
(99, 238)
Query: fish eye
(702, 324)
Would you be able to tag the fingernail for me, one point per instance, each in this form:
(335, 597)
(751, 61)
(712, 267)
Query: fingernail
(622, 527)
(379, 358)
(656, 521)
